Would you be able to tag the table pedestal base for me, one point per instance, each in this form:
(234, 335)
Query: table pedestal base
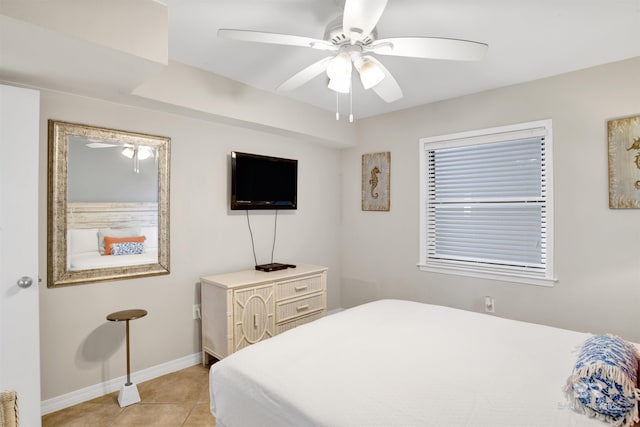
(128, 395)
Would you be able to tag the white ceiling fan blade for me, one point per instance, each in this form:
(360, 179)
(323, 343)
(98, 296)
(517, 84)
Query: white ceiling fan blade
(305, 75)
(429, 47)
(360, 17)
(96, 144)
(388, 89)
(274, 38)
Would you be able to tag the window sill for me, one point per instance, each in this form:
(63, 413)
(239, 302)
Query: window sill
(505, 277)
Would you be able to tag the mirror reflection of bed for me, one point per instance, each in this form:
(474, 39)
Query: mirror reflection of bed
(112, 194)
(132, 228)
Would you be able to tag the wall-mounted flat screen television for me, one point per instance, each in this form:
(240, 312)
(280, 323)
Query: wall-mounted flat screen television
(263, 182)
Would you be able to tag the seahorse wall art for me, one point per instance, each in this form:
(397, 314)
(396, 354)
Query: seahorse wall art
(636, 146)
(375, 181)
(624, 162)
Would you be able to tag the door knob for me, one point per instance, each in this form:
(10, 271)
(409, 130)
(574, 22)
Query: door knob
(25, 281)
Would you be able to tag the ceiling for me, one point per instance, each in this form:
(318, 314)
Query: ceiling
(528, 40)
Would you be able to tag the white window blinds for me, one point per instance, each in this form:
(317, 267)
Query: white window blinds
(486, 203)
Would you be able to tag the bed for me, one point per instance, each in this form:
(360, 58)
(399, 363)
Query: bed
(89, 222)
(401, 363)
(83, 250)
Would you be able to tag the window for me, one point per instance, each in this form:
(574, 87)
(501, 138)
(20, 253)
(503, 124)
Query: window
(487, 203)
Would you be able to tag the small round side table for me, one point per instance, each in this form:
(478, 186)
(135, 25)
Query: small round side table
(129, 392)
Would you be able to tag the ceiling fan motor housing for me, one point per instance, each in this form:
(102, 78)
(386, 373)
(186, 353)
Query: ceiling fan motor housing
(335, 34)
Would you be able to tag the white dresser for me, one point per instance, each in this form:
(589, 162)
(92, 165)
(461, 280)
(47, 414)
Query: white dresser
(244, 307)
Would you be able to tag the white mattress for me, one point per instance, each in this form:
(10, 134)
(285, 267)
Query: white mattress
(91, 260)
(401, 363)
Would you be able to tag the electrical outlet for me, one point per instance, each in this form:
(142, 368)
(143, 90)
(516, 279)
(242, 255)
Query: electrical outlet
(196, 311)
(489, 305)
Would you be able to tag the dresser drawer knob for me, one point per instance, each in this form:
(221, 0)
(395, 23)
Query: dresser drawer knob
(302, 307)
(301, 288)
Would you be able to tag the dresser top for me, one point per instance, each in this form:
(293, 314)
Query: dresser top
(253, 277)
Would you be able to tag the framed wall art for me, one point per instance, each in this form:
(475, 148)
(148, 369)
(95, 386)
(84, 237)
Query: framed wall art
(376, 181)
(624, 162)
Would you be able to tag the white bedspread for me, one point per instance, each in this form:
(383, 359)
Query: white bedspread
(91, 260)
(401, 363)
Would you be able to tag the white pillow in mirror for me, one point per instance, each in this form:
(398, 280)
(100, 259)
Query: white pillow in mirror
(82, 240)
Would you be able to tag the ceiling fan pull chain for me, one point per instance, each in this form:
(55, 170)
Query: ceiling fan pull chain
(136, 165)
(337, 108)
(351, 105)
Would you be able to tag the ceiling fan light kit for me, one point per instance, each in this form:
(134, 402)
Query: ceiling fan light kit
(143, 152)
(370, 73)
(353, 34)
(340, 67)
(340, 85)
(137, 153)
(128, 152)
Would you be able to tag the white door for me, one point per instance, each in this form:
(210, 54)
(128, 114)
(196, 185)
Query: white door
(19, 316)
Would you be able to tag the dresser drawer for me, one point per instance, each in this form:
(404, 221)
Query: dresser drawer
(298, 287)
(299, 307)
(298, 321)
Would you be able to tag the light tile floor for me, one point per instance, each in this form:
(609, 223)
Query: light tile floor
(178, 399)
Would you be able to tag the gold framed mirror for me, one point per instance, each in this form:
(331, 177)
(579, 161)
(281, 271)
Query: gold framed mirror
(108, 204)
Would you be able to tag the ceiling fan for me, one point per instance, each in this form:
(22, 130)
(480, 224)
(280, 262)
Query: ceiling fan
(352, 41)
(135, 152)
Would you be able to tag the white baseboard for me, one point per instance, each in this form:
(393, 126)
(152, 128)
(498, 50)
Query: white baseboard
(97, 390)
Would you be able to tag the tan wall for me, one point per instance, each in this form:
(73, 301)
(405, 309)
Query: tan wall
(597, 250)
(79, 347)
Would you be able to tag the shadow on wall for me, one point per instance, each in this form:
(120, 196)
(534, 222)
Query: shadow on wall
(102, 343)
(355, 292)
(197, 330)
